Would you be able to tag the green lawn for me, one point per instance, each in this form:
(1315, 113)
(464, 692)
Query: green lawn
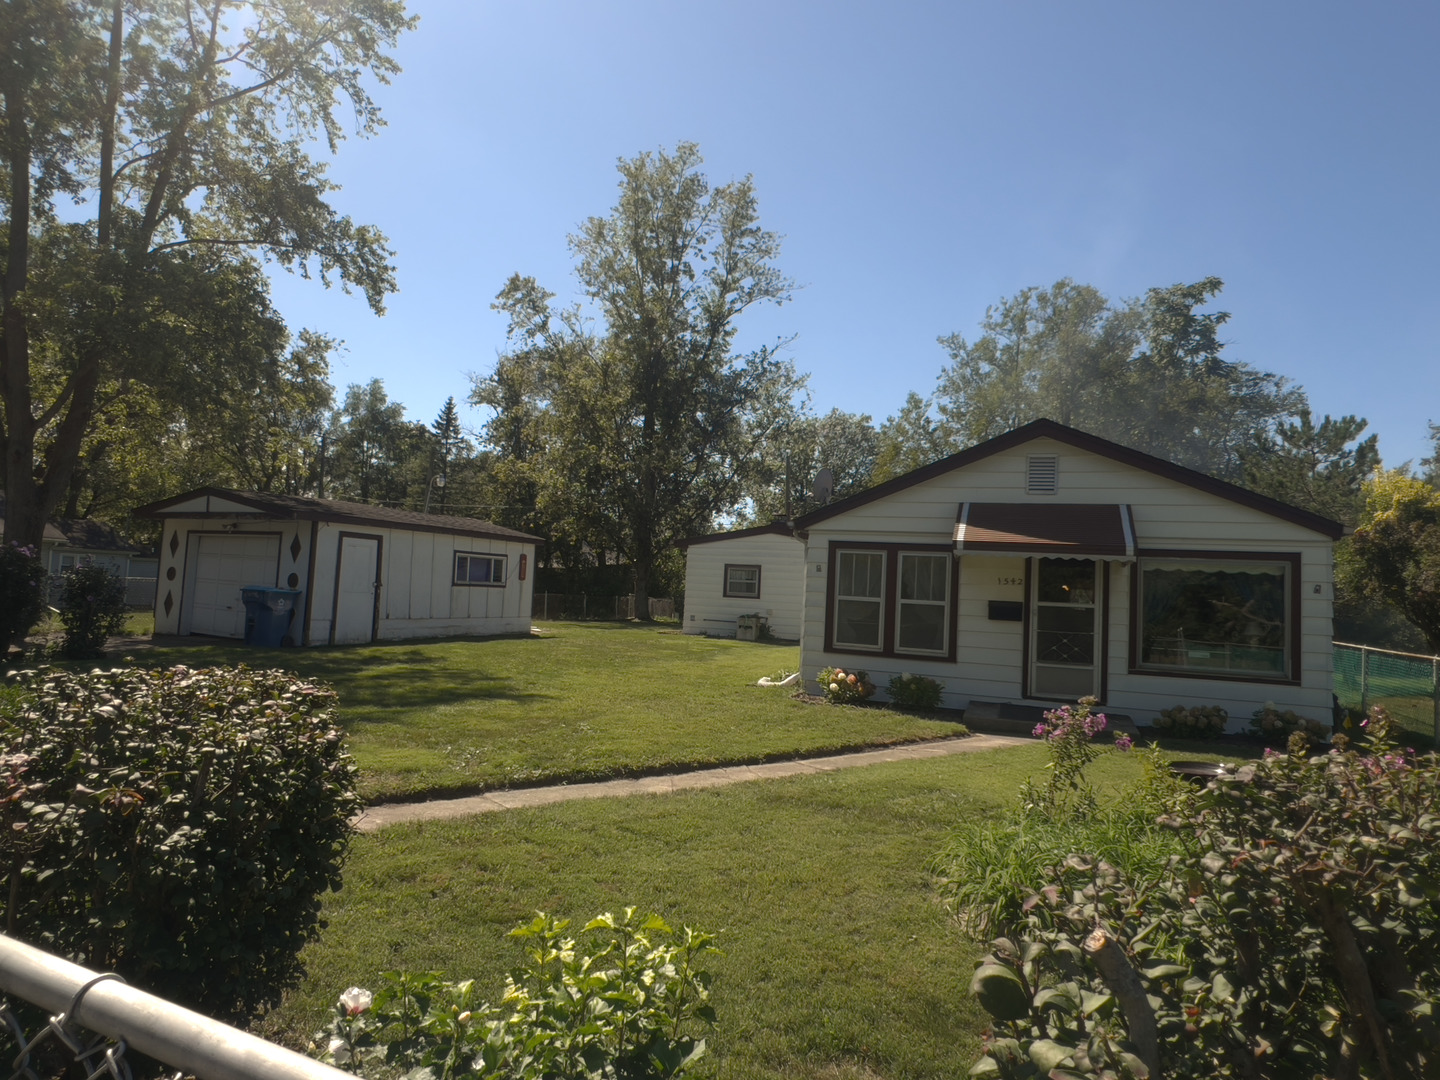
(583, 701)
(838, 961)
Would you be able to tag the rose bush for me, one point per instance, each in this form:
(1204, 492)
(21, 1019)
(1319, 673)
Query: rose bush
(842, 687)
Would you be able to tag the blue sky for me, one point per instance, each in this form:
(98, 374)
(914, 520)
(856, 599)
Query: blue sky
(923, 160)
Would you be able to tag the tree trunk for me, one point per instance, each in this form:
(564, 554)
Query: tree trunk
(640, 602)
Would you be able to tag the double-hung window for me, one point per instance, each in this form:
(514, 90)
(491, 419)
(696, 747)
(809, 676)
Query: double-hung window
(1216, 616)
(742, 581)
(859, 600)
(922, 608)
(474, 569)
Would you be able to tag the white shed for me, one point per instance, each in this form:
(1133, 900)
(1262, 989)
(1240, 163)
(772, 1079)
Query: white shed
(1048, 564)
(757, 571)
(367, 573)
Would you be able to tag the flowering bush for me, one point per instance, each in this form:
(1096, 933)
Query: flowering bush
(1276, 725)
(1294, 937)
(1069, 731)
(915, 692)
(92, 607)
(22, 598)
(843, 687)
(624, 1004)
(1195, 722)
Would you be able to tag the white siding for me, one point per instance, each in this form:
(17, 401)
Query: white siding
(417, 597)
(782, 584)
(1167, 514)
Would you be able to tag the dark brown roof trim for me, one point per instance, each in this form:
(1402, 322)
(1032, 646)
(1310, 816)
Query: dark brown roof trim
(1049, 429)
(303, 508)
(778, 528)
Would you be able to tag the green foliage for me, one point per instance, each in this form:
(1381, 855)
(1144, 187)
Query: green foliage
(1276, 725)
(178, 826)
(179, 135)
(909, 439)
(1314, 466)
(634, 437)
(1398, 548)
(92, 608)
(1193, 721)
(842, 687)
(1148, 374)
(623, 1001)
(1297, 936)
(915, 692)
(22, 592)
(795, 451)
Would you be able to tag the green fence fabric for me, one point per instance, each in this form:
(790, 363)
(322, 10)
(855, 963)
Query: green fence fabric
(1402, 682)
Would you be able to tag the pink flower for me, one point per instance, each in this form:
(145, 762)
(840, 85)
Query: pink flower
(850, 679)
(1039, 731)
(1124, 742)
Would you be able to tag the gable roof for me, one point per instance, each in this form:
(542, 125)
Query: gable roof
(84, 533)
(1049, 429)
(778, 528)
(303, 508)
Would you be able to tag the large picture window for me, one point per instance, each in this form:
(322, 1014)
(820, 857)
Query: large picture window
(922, 608)
(479, 569)
(1224, 617)
(859, 599)
(742, 581)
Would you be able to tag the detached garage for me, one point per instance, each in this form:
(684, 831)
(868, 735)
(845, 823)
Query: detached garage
(363, 573)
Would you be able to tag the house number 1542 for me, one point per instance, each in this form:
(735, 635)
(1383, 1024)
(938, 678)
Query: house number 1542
(1010, 581)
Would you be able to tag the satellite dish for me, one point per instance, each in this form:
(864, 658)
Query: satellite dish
(824, 486)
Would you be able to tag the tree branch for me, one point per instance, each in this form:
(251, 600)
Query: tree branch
(1124, 982)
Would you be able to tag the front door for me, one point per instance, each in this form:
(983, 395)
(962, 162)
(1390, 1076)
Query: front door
(357, 585)
(1065, 631)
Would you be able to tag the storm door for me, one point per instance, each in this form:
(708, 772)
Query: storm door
(1065, 630)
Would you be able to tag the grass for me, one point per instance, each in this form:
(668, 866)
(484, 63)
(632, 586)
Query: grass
(839, 961)
(584, 701)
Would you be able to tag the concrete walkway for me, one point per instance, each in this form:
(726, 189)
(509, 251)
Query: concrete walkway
(377, 817)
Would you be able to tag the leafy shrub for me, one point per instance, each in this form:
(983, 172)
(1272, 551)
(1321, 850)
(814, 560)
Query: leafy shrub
(92, 608)
(178, 827)
(621, 1004)
(1297, 936)
(915, 692)
(1276, 725)
(845, 688)
(1194, 722)
(22, 594)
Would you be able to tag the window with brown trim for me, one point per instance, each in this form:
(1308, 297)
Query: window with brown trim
(891, 599)
(1232, 617)
(742, 581)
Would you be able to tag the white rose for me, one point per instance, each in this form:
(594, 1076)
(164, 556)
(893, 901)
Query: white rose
(356, 1000)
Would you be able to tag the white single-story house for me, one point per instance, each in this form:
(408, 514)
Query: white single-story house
(68, 542)
(1048, 564)
(758, 571)
(367, 573)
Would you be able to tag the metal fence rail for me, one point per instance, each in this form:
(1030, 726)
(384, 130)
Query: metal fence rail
(1407, 684)
(82, 1001)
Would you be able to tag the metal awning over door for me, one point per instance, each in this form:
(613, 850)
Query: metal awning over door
(1052, 530)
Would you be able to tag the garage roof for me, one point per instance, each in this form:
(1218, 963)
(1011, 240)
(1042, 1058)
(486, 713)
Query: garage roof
(216, 502)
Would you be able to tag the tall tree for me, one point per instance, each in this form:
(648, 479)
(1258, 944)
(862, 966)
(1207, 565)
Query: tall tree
(645, 419)
(792, 458)
(374, 455)
(1147, 374)
(909, 439)
(450, 447)
(178, 127)
(1314, 466)
(1398, 547)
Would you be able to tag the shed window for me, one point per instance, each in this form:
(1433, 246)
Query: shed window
(742, 581)
(479, 569)
(1227, 617)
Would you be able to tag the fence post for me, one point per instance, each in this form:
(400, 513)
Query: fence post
(1435, 696)
(1364, 677)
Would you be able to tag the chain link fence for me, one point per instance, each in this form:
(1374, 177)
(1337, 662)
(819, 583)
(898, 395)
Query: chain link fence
(578, 607)
(1407, 684)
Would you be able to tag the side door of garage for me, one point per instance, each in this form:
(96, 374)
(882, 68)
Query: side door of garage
(224, 564)
(357, 590)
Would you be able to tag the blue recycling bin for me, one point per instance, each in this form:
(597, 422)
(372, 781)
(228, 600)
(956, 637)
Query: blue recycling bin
(269, 613)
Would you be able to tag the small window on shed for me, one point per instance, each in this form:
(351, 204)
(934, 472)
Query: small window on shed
(473, 569)
(742, 581)
(1042, 474)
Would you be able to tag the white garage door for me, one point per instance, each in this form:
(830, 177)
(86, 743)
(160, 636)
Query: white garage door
(223, 565)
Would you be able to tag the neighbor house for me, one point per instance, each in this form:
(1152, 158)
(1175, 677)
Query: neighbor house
(1048, 564)
(366, 573)
(67, 542)
(757, 571)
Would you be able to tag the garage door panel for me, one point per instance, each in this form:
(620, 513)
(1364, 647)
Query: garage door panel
(223, 566)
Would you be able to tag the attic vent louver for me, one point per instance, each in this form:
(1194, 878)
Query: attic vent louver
(1042, 474)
